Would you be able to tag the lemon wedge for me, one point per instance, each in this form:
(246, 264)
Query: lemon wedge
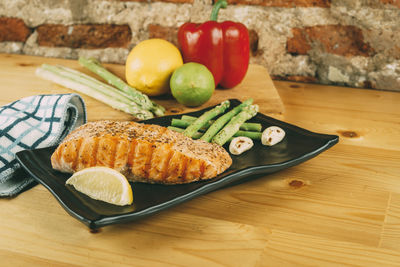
(102, 183)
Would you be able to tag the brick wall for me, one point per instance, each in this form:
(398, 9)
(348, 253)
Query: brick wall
(352, 43)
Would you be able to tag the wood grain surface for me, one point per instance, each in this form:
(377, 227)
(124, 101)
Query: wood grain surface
(341, 208)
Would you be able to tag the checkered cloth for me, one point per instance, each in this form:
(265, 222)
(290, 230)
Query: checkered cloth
(34, 122)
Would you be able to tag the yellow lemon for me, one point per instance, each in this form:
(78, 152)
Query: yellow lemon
(150, 65)
(104, 184)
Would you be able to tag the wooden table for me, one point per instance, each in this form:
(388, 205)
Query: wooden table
(340, 208)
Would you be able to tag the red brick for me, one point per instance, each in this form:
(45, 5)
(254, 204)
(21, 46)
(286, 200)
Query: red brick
(163, 32)
(369, 85)
(299, 43)
(13, 30)
(283, 3)
(170, 34)
(89, 36)
(335, 39)
(253, 38)
(166, 1)
(395, 3)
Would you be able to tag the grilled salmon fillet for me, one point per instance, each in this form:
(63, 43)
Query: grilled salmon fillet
(142, 152)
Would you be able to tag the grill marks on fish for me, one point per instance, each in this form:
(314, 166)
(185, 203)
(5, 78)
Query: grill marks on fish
(121, 154)
(131, 153)
(75, 158)
(164, 170)
(94, 153)
(142, 154)
(182, 174)
(147, 153)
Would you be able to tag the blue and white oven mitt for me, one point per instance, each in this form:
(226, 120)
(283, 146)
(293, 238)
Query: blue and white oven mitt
(34, 122)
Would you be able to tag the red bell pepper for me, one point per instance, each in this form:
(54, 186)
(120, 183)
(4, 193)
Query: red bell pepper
(223, 48)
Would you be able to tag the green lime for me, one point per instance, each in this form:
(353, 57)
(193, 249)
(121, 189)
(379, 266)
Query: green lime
(192, 84)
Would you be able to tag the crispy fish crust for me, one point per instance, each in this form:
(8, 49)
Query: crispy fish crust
(142, 152)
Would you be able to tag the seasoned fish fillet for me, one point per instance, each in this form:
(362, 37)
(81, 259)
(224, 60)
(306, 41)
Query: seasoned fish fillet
(142, 152)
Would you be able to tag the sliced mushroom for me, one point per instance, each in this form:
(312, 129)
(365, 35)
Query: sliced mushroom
(240, 144)
(272, 135)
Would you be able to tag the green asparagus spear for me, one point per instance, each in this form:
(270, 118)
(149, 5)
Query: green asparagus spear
(234, 124)
(221, 121)
(251, 135)
(247, 126)
(185, 124)
(102, 87)
(140, 98)
(89, 81)
(79, 82)
(205, 117)
(197, 135)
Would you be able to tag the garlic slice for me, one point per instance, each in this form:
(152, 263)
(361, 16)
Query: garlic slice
(272, 135)
(240, 144)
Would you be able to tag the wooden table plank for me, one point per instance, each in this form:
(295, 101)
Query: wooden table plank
(360, 117)
(305, 250)
(391, 228)
(340, 208)
(163, 240)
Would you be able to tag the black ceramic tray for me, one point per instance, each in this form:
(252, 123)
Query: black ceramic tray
(298, 146)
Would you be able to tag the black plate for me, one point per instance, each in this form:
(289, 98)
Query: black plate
(298, 146)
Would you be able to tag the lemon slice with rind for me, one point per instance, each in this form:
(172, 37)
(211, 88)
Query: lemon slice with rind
(102, 183)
